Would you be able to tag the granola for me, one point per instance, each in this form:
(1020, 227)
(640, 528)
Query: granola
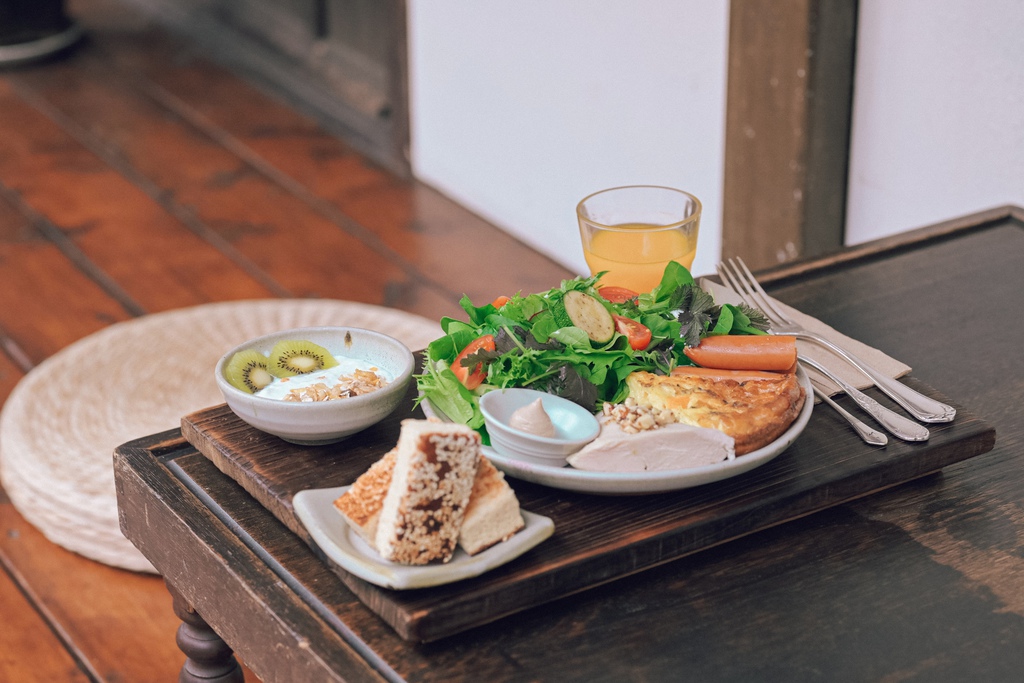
(358, 383)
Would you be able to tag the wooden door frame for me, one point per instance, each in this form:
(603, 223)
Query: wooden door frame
(788, 116)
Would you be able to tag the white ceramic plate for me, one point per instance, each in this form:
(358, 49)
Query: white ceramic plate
(631, 483)
(333, 535)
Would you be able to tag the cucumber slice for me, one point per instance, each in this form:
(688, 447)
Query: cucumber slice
(588, 314)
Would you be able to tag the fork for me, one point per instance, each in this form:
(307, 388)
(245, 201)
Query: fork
(736, 275)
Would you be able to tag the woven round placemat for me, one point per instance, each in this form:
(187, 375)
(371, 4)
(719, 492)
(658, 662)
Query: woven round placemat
(62, 422)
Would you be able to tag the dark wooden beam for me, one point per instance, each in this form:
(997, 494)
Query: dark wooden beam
(340, 61)
(790, 92)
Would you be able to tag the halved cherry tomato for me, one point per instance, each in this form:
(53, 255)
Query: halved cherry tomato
(501, 301)
(638, 334)
(471, 379)
(617, 295)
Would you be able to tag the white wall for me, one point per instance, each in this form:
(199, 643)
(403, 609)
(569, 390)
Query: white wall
(938, 119)
(520, 109)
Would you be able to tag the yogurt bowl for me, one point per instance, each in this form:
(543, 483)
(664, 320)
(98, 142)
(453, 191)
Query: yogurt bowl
(574, 426)
(315, 422)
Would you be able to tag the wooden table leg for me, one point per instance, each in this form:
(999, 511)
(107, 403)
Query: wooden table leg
(208, 658)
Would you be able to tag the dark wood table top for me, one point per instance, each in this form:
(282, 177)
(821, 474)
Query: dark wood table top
(922, 581)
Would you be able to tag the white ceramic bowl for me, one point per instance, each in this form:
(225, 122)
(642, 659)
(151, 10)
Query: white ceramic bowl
(575, 426)
(324, 421)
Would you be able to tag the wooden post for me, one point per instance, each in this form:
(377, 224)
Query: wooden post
(208, 658)
(790, 94)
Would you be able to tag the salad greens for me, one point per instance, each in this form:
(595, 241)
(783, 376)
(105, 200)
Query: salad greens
(532, 350)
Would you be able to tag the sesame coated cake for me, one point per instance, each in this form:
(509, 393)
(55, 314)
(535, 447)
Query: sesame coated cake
(426, 502)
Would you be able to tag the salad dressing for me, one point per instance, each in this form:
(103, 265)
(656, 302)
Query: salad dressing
(533, 419)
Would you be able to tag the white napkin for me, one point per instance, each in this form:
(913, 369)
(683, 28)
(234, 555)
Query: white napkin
(823, 355)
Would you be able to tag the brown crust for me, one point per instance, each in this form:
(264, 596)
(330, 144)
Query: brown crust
(492, 510)
(489, 481)
(753, 412)
(492, 514)
(361, 504)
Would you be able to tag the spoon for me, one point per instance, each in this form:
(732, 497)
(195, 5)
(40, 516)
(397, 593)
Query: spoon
(897, 425)
(869, 435)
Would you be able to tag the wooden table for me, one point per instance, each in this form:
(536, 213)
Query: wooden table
(923, 581)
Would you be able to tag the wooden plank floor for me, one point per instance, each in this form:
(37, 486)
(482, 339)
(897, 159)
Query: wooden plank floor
(136, 177)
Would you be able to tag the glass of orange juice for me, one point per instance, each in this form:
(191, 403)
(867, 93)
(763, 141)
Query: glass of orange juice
(634, 231)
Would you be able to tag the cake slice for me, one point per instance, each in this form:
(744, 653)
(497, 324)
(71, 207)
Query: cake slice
(493, 513)
(426, 501)
(361, 504)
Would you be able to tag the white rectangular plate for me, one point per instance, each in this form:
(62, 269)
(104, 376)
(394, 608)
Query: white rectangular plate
(332, 534)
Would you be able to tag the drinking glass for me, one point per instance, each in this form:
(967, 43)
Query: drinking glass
(634, 231)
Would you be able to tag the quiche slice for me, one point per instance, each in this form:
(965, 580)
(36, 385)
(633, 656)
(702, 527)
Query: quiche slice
(754, 410)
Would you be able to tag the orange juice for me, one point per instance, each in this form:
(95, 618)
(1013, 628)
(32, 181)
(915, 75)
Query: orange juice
(635, 254)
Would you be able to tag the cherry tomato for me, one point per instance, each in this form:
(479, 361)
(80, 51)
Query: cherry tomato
(617, 295)
(638, 334)
(501, 301)
(471, 379)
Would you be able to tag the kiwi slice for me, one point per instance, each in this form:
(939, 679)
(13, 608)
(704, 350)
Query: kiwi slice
(249, 371)
(298, 357)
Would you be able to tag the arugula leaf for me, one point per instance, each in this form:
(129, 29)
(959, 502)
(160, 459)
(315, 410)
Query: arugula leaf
(629, 308)
(724, 322)
(582, 284)
(451, 325)
(573, 337)
(442, 347)
(522, 309)
(477, 315)
(674, 277)
(543, 326)
(665, 297)
(661, 326)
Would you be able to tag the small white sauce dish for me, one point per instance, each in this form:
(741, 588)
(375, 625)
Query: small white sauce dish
(323, 422)
(575, 426)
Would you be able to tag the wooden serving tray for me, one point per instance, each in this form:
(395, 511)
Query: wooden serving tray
(597, 538)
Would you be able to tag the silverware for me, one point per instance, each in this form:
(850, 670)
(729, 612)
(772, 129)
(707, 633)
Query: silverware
(869, 435)
(736, 275)
(894, 423)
